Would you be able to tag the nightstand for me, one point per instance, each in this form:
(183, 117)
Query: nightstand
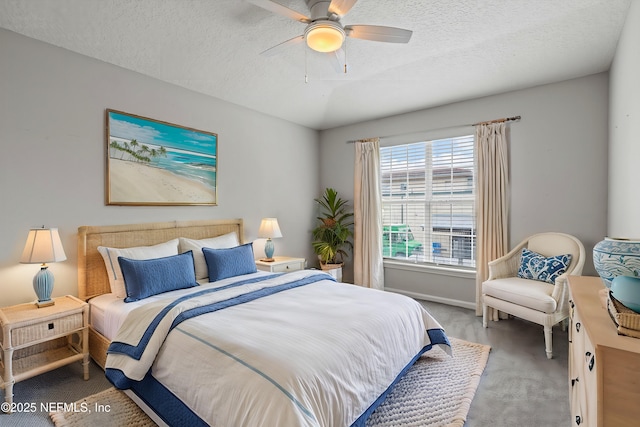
(281, 264)
(37, 340)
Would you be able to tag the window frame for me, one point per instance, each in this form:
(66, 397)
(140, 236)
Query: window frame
(461, 191)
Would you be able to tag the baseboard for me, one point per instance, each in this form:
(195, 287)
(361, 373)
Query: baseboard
(426, 297)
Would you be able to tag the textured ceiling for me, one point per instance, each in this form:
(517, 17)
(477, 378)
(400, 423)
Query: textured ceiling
(459, 50)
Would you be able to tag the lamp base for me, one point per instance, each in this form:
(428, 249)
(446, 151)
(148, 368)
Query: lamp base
(267, 259)
(49, 303)
(268, 250)
(43, 286)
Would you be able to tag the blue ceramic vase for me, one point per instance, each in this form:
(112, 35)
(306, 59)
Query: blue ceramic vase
(627, 290)
(616, 257)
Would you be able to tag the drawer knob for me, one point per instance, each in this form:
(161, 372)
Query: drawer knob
(50, 326)
(578, 419)
(578, 327)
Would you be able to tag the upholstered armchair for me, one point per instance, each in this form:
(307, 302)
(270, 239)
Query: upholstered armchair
(533, 286)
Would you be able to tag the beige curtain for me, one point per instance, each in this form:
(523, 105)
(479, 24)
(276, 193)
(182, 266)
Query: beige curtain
(492, 201)
(367, 249)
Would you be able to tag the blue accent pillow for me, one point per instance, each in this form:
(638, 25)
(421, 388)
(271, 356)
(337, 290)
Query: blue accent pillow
(147, 277)
(224, 263)
(538, 267)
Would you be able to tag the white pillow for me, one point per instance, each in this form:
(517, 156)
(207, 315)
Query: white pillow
(110, 257)
(225, 241)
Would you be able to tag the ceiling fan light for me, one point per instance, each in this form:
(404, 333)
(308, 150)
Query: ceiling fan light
(324, 37)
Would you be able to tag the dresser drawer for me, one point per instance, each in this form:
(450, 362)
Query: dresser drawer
(46, 329)
(589, 384)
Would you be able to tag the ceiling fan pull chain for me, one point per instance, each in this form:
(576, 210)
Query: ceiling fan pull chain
(306, 76)
(345, 57)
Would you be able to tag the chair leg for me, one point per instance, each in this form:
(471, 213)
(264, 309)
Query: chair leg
(548, 342)
(485, 314)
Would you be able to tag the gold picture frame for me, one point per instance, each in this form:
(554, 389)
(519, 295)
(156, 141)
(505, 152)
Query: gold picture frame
(151, 162)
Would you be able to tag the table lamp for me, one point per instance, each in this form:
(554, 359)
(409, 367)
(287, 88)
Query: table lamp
(269, 229)
(43, 246)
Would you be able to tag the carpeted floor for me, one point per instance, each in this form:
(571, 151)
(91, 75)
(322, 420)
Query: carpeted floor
(520, 386)
(436, 391)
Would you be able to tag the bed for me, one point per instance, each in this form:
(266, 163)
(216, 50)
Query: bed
(248, 349)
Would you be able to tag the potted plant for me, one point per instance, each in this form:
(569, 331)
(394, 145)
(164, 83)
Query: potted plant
(332, 235)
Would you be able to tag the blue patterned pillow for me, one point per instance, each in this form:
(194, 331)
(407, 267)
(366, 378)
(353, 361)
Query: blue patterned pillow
(223, 263)
(146, 277)
(537, 267)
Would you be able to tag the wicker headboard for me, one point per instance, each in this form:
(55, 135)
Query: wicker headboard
(92, 275)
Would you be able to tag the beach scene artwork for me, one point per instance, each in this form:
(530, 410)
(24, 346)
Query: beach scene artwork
(151, 162)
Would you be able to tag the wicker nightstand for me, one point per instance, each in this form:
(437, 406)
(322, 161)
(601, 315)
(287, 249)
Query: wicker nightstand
(37, 340)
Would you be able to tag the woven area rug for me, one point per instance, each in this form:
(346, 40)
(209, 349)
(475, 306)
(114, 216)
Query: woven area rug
(436, 391)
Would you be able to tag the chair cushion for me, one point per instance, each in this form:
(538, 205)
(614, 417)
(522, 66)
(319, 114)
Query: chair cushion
(524, 292)
(538, 267)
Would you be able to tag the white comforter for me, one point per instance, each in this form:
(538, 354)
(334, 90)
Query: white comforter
(319, 354)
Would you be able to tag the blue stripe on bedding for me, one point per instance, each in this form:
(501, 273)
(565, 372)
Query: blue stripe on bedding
(113, 270)
(165, 404)
(136, 351)
(436, 336)
(188, 314)
(304, 410)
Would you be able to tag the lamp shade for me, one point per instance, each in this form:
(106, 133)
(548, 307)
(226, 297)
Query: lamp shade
(269, 228)
(43, 245)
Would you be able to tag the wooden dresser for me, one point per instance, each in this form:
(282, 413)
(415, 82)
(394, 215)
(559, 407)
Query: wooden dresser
(604, 367)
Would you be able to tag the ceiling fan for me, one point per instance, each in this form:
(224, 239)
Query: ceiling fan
(324, 32)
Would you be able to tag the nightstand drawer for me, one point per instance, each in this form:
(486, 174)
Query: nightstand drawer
(290, 266)
(46, 329)
(281, 264)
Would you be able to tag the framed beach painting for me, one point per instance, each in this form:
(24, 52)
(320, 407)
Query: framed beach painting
(150, 162)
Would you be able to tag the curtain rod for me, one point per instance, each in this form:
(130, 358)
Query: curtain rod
(504, 119)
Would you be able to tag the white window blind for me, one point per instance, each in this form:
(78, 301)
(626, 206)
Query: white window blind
(428, 201)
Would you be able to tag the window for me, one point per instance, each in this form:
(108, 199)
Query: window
(428, 201)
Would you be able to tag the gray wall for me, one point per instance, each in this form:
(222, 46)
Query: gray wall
(52, 163)
(624, 151)
(558, 157)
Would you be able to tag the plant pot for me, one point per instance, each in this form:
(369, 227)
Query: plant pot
(335, 270)
(616, 257)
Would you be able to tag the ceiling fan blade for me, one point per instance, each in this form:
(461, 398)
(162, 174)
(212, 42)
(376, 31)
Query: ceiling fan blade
(378, 33)
(278, 48)
(274, 7)
(341, 7)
